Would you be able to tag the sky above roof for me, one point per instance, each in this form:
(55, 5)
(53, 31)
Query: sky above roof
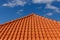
(13, 9)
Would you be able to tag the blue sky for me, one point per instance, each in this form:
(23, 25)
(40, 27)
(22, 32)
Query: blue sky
(13, 9)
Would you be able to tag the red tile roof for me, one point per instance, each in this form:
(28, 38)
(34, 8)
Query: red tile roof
(32, 27)
(59, 23)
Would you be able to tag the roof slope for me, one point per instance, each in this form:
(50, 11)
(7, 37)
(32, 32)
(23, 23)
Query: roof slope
(32, 27)
(59, 23)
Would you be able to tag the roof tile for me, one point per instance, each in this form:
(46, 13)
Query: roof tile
(32, 27)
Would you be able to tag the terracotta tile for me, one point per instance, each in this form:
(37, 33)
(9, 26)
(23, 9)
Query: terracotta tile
(31, 27)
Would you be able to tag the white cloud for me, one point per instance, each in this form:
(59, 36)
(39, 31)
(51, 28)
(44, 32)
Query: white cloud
(42, 1)
(23, 2)
(56, 9)
(58, 0)
(9, 4)
(49, 14)
(20, 2)
(15, 3)
(20, 11)
(51, 7)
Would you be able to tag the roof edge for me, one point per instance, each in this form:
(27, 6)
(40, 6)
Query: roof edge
(25, 17)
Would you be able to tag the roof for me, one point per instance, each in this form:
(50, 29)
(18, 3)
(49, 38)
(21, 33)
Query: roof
(59, 23)
(31, 27)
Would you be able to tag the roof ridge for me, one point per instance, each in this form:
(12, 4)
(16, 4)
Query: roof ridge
(32, 14)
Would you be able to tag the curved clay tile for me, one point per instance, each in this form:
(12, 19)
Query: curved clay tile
(32, 27)
(59, 23)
